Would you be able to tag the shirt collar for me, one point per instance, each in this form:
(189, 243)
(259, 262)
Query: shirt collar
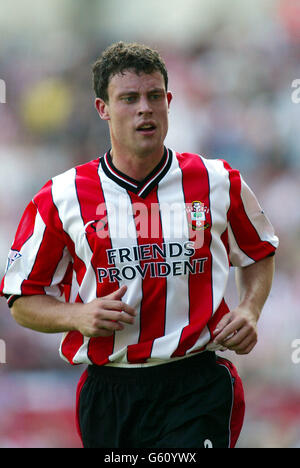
(141, 188)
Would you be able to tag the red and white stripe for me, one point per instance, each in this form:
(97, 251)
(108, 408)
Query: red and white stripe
(176, 313)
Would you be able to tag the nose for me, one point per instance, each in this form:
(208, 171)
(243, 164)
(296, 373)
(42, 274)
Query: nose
(144, 106)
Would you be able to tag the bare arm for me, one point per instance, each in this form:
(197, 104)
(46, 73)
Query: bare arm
(237, 330)
(101, 317)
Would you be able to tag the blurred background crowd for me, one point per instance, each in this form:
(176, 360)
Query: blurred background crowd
(231, 67)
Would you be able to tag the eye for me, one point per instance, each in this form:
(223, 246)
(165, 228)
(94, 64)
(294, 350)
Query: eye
(129, 99)
(155, 96)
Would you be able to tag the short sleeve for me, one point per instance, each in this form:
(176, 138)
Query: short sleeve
(251, 235)
(39, 261)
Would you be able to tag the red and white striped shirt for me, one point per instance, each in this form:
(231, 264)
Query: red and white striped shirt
(170, 238)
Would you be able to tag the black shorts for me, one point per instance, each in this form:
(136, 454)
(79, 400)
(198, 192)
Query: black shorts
(191, 403)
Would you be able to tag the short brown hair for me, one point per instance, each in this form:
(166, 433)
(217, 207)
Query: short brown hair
(122, 56)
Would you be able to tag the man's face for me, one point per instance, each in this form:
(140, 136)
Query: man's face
(137, 112)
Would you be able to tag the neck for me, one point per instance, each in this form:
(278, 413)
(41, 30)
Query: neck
(136, 166)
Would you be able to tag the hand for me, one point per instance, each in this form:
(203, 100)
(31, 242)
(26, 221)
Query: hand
(104, 316)
(237, 330)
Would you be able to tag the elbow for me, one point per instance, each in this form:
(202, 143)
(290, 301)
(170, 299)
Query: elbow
(17, 311)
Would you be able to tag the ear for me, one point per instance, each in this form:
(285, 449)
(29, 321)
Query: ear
(102, 109)
(169, 98)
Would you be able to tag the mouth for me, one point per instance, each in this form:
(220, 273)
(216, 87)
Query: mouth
(146, 128)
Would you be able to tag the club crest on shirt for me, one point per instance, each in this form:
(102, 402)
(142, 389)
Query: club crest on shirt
(197, 212)
(12, 257)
